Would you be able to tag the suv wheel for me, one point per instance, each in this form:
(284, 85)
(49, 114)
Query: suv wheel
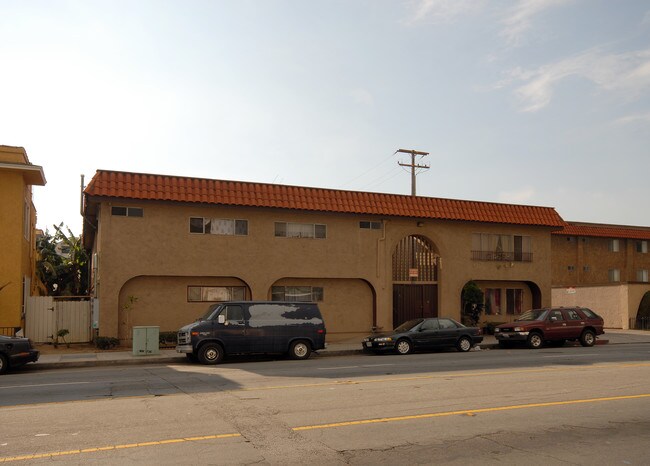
(588, 338)
(4, 364)
(535, 340)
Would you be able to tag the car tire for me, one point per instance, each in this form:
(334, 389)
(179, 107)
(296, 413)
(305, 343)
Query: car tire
(211, 353)
(588, 338)
(464, 344)
(403, 346)
(4, 364)
(535, 340)
(299, 350)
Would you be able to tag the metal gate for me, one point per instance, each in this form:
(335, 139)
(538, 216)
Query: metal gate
(413, 302)
(45, 316)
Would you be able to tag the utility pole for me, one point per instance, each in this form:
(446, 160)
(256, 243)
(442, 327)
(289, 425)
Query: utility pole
(413, 165)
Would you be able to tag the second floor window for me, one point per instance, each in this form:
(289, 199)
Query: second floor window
(218, 226)
(127, 211)
(614, 275)
(492, 247)
(642, 247)
(300, 230)
(614, 245)
(642, 275)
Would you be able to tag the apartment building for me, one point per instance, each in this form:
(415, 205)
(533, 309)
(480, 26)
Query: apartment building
(164, 248)
(604, 267)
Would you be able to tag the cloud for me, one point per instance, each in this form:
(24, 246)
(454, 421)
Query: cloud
(639, 118)
(442, 11)
(519, 18)
(362, 96)
(522, 196)
(627, 73)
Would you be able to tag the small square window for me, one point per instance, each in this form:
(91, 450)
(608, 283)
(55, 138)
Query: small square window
(196, 224)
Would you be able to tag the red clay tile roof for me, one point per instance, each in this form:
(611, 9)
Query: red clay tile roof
(112, 184)
(604, 231)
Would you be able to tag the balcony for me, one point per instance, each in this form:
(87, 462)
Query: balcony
(502, 256)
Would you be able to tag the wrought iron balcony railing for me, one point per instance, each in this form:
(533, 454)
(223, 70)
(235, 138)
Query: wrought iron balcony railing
(502, 256)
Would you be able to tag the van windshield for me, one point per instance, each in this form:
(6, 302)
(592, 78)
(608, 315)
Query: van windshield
(211, 313)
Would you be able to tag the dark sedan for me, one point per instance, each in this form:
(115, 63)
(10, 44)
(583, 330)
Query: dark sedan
(425, 334)
(15, 351)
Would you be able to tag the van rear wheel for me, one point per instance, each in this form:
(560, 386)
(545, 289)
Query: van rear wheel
(299, 350)
(211, 353)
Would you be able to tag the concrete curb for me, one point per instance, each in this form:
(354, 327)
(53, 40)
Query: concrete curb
(158, 360)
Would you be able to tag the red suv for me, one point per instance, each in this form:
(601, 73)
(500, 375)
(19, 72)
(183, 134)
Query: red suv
(555, 325)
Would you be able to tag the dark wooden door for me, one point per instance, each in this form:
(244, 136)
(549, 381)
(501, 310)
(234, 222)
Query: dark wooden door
(413, 302)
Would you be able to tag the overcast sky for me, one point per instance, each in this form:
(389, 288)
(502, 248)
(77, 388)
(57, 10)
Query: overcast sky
(541, 102)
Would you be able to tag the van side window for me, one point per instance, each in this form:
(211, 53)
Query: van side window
(555, 316)
(233, 314)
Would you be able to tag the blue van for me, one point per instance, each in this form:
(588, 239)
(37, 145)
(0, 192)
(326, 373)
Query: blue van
(248, 327)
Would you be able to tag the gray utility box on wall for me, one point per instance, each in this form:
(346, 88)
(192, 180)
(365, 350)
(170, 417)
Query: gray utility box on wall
(146, 341)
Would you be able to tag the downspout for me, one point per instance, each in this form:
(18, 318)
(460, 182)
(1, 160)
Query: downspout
(378, 272)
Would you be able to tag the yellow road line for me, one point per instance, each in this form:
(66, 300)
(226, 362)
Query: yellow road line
(469, 412)
(9, 459)
(325, 426)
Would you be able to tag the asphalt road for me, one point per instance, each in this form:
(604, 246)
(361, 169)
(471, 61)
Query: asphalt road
(568, 405)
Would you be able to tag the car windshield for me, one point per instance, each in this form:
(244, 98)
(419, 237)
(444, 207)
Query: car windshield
(408, 325)
(210, 313)
(535, 314)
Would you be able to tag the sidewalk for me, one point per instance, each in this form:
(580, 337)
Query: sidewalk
(86, 355)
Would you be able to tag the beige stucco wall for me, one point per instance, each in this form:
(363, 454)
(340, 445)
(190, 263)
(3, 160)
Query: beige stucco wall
(351, 264)
(616, 303)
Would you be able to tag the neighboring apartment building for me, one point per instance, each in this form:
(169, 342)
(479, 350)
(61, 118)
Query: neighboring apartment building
(604, 267)
(17, 232)
(164, 248)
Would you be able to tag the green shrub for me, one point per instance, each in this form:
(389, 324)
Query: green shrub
(105, 343)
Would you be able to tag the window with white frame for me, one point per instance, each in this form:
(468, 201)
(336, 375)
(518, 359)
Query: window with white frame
(200, 294)
(642, 247)
(494, 247)
(300, 230)
(297, 293)
(121, 211)
(614, 275)
(614, 245)
(642, 275)
(219, 226)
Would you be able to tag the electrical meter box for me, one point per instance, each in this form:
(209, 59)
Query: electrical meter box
(146, 341)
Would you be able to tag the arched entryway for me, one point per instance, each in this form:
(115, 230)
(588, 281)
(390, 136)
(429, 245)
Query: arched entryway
(643, 314)
(415, 279)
